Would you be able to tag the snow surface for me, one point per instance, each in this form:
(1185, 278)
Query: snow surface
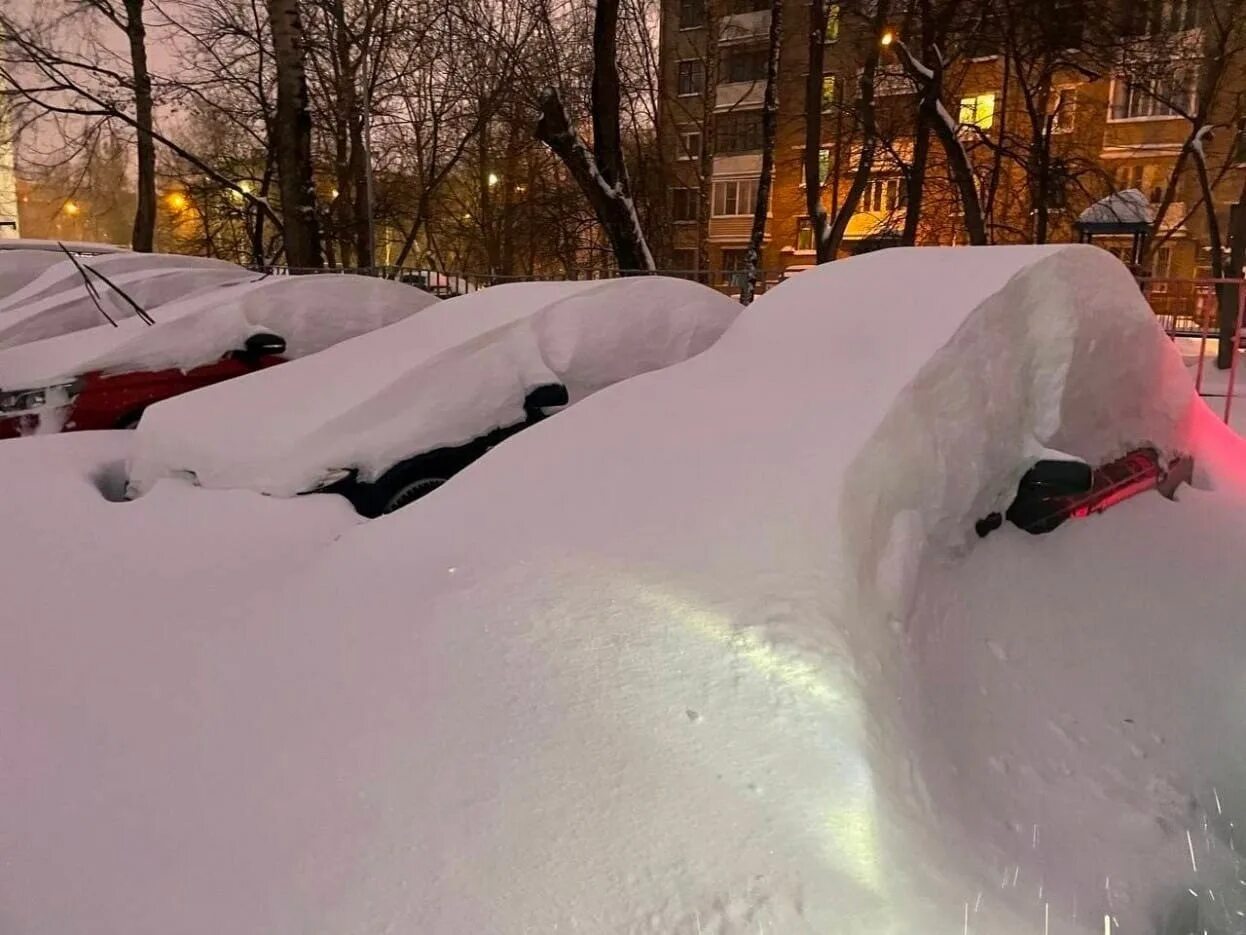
(57, 302)
(311, 313)
(636, 671)
(441, 378)
(1127, 207)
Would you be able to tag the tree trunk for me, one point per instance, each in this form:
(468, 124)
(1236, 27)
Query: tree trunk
(829, 249)
(929, 79)
(769, 130)
(915, 185)
(813, 126)
(709, 141)
(600, 174)
(144, 236)
(612, 206)
(292, 132)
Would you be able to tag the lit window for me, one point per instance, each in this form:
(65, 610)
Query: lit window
(1063, 110)
(804, 235)
(830, 91)
(832, 22)
(978, 110)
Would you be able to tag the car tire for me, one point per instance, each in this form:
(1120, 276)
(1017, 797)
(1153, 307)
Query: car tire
(411, 480)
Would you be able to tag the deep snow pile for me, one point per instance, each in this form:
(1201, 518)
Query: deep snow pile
(441, 378)
(632, 672)
(56, 301)
(311, 313)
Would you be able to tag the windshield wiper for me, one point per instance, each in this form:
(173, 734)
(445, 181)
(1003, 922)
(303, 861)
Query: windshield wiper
(138, 309)
(91, 290)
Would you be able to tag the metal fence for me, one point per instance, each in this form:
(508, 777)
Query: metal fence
(445, 284)
(1189, 310)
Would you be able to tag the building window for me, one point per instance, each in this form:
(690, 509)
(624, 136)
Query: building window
(1239, 143)
(832, 22)
(824, 164)
(735, 198)
(685, 261)
(744, 65)
(830, 92)
(691, 14)
(747, 6)
(739, 132)
(1169, 96)
(1128, 177)
(883, 195)
(735, 266)
(978, 110)
(689, 146)
(804, 235)
(1063, 110)
(684, 204)
(691, 78)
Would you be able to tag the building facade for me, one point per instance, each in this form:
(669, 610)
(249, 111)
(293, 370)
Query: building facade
(1095, 103)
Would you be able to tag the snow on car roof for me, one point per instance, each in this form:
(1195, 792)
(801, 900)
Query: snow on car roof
(628, 673)
(309, 312)
(439, 379)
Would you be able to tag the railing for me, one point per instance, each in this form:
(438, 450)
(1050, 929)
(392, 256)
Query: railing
(462, 283)
(1189, 311)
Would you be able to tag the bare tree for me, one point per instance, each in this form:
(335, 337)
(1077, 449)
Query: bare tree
(292, 137)
(769, 129)
(600, 172)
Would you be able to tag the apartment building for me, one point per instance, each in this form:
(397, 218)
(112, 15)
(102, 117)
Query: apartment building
(1118, 122)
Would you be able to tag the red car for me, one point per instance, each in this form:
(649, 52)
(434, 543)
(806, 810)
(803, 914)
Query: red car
(116, 401)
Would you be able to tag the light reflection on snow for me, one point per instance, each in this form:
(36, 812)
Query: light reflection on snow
(849, 811)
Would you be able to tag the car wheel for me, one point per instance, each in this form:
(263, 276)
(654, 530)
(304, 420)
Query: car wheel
(401, 495)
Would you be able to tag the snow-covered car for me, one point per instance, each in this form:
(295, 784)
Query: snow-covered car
(46, 294)
(417, 402)
(728, 657)
(107, 376)
(76, 247)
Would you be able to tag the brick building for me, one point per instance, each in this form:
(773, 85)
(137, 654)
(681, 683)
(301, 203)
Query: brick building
(1116, 117)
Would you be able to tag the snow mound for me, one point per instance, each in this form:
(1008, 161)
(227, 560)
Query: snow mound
(618, 676)
(1127, 207)
(311, 313)
(57, 302)
(442, 378)
(1067, 355)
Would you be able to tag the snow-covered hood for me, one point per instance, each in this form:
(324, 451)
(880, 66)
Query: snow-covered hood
(310, 313)
(55, 300)
(442, 378)
(641, 669)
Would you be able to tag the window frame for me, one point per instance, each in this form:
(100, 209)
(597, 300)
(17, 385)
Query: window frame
(697, 69)
(742, 206)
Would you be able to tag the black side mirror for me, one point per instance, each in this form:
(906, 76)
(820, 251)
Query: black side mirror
(257, 345)
(1058, 478)
(543, 397)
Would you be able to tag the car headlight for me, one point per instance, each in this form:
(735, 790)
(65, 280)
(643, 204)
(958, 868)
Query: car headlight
(28, 400)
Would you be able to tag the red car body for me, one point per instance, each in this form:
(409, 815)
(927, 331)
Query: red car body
(117, 400)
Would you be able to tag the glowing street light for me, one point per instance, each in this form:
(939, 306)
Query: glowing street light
(493, 179)
(72, 209)
(177, 201)
(888, 37)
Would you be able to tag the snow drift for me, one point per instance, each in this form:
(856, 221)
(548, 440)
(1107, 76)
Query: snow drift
(56, 301)
(635, 672)
(442, 378)
(311, 313)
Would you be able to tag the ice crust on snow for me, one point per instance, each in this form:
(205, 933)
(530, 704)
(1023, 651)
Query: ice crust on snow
(311, 313)
(442, 378)
(628, 673)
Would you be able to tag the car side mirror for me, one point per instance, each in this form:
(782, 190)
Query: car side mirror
(258, 345)
(546, 396)
(1057, 478)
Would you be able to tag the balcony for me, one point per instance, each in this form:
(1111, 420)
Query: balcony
(741, 27)
(745, 95)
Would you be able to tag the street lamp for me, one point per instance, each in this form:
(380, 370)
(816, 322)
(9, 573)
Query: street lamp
(493, 179)
(72, 209)
(888, 37)
(177, 201)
